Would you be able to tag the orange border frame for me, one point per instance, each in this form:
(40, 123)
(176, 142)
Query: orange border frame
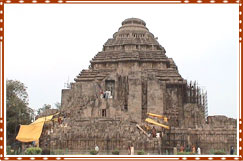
(2, 2)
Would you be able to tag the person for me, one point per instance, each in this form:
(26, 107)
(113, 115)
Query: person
(232, 150)
(182, 149)
(154, 132)
(187, 148)
(132, 149)
(104, 95)
(193, 149)
(101, 94)
(97, 149)
(59, 120)
(166, 152)
(198, 151)
(149, 135)
(175, 151)
(129, 150)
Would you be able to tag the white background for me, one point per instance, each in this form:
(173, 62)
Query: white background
(46, 45)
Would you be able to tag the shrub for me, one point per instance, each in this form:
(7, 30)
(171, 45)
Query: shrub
(10, 151)
(93, 152)
(185, 153)
(211, 151)
(58, 152)
(141, 152)
(46, 152)
(33, 151)
(115, 152)
(219, 152)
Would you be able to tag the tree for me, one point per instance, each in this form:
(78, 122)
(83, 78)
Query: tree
(58, 105)
(18, 111)
(43, 109)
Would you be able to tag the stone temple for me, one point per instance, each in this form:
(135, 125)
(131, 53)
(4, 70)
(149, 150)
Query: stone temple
(128, 79)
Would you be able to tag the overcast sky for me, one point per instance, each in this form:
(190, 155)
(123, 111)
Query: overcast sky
(46, 45)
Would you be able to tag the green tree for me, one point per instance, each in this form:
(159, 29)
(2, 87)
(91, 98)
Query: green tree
(18, 111)
(44, 107)
(58, 105)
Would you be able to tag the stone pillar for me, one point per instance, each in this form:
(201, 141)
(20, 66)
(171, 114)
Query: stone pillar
(134, 98)
(155, 97)
(65, 96)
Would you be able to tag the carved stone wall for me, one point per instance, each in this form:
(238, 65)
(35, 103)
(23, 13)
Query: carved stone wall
(133, 67)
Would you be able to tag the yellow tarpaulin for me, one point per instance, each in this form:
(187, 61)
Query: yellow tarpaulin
(32, 132)
(42, 119)
(149, 120)
(29, 133)
(159, 116)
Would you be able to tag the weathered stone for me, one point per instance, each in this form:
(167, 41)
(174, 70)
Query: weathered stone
(141, 79)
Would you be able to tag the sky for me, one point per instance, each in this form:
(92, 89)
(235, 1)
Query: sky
(47, 45)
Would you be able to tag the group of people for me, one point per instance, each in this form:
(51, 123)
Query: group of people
(131, 149)
(152, 132)
(106, 94)
(192, 149)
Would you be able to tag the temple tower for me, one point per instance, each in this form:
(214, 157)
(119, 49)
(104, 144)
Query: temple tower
(129, 78)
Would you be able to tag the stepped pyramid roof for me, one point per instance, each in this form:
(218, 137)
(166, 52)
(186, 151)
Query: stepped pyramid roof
(133, 42)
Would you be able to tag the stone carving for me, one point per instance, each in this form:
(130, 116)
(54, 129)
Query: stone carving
(139, 78)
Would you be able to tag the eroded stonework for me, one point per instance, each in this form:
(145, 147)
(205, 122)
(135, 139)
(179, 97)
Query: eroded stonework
(141, 79)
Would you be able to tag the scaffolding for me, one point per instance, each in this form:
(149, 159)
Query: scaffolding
(195, 94)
